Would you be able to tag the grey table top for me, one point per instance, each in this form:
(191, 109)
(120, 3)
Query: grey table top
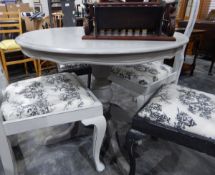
(66, 44)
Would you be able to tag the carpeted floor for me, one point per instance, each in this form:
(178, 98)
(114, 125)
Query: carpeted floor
(75, 156)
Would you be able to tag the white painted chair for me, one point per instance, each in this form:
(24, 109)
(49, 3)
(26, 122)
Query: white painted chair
(144, 79)
(43, 102)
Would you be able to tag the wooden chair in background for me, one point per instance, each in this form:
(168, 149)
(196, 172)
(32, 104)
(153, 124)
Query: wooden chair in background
(57, 19)
(10, 26)
(41, 64)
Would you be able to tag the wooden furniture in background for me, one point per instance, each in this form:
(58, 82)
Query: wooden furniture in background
(12, 25)
(204, 22)
(45, 65)
(207, 44)
(41, 64)
(107, 21)
(192, 48)
(21, 7)
(57, 18)
(185, 6)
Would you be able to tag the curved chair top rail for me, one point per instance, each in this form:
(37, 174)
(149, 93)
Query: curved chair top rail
(3, 81)
(193, 17)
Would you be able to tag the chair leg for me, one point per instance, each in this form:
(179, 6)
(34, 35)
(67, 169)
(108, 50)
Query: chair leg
(26, 68)
(39, 68)
(211, 67)
(98, 136)
(132, 139)
(4, 64)
(6, 153)
(35, 66)
(89, 80)
(193, 64)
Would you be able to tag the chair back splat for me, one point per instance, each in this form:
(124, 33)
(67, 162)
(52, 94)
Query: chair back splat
(10, 24)
(192, 19)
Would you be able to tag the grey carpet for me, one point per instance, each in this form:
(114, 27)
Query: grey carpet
(75, 156)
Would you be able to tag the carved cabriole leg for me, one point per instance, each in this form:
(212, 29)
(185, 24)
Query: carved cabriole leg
(133, 139)
(98, 136)
(130, 142)
(6, 153)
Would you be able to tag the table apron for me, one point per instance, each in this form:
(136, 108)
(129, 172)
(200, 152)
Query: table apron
(100, 59)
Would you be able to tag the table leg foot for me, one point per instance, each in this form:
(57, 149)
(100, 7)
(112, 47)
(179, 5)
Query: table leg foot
(98, 136)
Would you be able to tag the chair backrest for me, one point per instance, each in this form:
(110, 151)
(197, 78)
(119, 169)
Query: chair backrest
(11, 7)
(24, 7)
(3, 9)
(3, 82)
(193, 17)
(10, 24)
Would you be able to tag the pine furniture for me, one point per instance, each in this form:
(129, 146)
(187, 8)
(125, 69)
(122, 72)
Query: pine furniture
(11, 25)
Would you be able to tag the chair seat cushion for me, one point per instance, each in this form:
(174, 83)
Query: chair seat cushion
(143, 74)
(182, 109)
(72, 67)
(42, 95)
(9, 44)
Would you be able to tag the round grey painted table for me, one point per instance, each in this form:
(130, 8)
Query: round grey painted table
(65, 46)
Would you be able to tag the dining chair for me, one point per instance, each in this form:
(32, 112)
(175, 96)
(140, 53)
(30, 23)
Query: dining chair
(44, 102)
(10, 26)
(144, 79)
(178, 114)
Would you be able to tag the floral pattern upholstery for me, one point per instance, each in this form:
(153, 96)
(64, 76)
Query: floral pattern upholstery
(43, 95)
(183, 109)
(143, 74)
(67, 67)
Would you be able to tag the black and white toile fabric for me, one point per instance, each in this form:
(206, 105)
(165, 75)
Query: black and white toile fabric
(42, 95)
(182, 108)
(67, 67)
(143, 74)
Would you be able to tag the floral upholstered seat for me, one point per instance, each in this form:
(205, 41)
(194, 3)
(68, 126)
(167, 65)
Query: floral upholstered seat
(43, 95)
(143, 74)
(74, 67)
(183, 109)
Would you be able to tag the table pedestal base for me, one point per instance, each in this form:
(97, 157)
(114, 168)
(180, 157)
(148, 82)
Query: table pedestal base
(70, 132)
